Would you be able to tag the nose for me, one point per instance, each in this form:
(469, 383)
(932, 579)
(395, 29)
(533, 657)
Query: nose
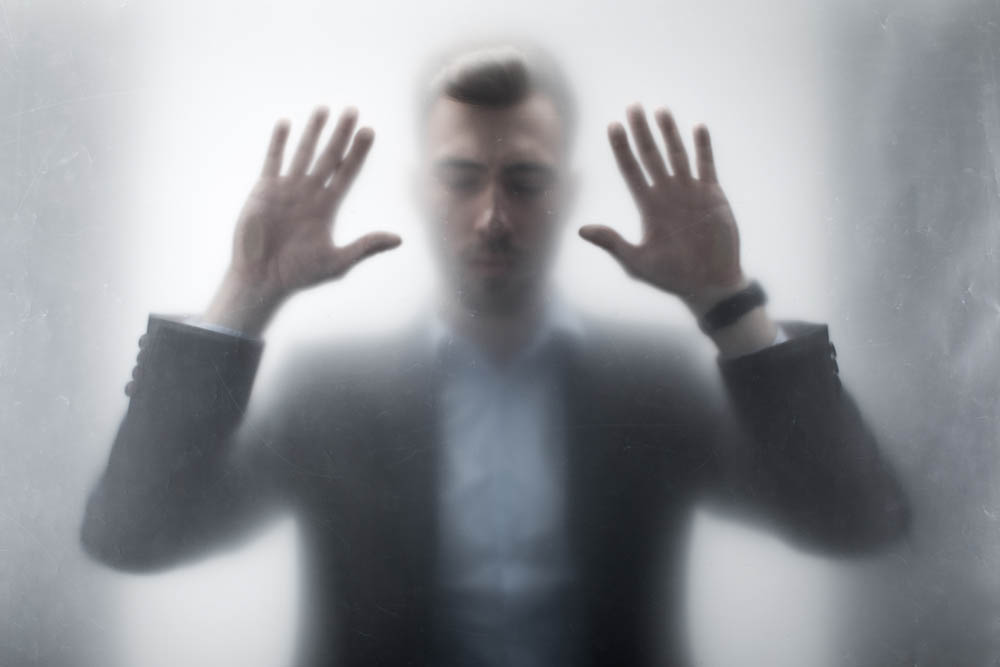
(493, 220)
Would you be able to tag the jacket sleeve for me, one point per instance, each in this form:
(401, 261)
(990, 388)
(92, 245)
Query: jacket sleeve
(800, 454)
(178, 480)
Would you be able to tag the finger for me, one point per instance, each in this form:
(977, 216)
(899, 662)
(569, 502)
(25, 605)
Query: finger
(649, 152)
(351, 165)
(332, 156)
(629, 168)
(703, 149)
(607, 238)
(275, 150)
(362, 248)
(675, 145)
(307, 145)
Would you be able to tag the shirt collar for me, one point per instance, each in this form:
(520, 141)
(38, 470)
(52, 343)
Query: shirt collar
(558, 320)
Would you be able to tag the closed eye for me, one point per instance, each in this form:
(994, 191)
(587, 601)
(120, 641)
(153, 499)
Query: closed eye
(462, 182)
(528, 179)
(461, 176)
(525, 188)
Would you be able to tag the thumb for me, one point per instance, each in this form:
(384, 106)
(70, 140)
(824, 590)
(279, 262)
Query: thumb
(362, 248)
(610, 240)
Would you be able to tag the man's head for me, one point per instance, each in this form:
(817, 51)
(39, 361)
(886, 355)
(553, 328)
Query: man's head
(495, 136)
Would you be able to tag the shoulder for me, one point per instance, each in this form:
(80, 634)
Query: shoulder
(663, 367)
(309, 381)
(327, 402)
(642, 350)
(354, 368)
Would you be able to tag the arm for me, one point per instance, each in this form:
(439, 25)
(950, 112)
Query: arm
(801, 454)
(185, 472)
(799, 448)
(177, 479)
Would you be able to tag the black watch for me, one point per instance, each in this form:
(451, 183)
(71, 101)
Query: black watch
(733, 308)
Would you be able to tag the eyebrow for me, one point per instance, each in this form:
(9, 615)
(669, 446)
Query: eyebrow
(529, 168)
(459, 163)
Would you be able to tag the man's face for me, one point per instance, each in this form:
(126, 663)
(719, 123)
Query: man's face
(494, 190)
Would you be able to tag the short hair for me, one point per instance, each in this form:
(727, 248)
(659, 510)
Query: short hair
(497, 74)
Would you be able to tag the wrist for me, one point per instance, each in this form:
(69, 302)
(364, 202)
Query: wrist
(701, 301)
(751, 333)
(241, 305)
(734, 317)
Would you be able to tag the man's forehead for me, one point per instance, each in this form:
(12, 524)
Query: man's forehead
(529, 131)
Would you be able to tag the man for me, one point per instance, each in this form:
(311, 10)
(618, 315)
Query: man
(506, 484)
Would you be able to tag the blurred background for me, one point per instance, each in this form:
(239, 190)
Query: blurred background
(858, 143)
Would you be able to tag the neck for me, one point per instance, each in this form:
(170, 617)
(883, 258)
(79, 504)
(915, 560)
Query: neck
(499, 334)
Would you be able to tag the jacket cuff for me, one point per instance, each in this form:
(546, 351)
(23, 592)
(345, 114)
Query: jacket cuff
(193, 364)
(806, 359)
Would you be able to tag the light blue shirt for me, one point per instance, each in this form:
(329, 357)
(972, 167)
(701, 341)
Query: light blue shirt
(505, 562)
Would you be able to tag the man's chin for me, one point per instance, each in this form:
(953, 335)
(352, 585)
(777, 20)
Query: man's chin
(495, 294)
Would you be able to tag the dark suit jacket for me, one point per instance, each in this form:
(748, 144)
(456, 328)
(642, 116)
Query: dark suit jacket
(350, 444)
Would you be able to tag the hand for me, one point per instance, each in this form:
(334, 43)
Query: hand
(690, 243)
(283, 239)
